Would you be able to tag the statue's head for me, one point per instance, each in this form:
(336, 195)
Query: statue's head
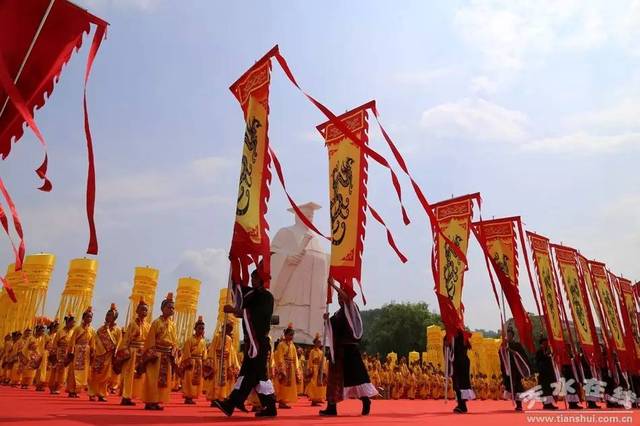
(307, 210)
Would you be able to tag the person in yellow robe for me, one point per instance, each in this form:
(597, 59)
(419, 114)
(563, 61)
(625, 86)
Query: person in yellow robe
(81, 352)
(15, 358)
(58, 358)
(44, 373)
(412, 385)
(129, 354)
(302, 365)
(194, 352)
(221, 383)
(286, 359)
(107, 339)
(5, 372)
(159, 357)
(317, 372)
(32, 355)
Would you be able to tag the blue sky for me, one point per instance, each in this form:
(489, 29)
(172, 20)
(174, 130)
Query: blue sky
(534, 104)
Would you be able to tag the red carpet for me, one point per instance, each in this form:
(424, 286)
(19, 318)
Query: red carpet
(27, 407)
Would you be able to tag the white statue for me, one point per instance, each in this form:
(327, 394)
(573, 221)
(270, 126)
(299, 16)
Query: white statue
(299, 271)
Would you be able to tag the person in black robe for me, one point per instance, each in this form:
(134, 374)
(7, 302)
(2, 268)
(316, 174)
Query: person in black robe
(348, 377)
(255, 306)
(568, 372)
(609, 377)
(460, 371)
(588, 376)
(514, 367)
(546, 373)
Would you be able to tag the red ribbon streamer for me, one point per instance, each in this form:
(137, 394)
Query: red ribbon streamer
(301, 216)
(390, 239)
(16, 224)
(349, 134)
(91, 172)
(526, 262)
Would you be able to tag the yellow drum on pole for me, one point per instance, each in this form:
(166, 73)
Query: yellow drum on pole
(145, 283)
(78, 290)
(187, 296)
(30, 286)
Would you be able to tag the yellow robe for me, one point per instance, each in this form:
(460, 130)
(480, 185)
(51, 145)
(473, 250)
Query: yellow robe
(6, 351)
(302, 364)
(286, 358)
(31, 359)
(43, 375)
(131, 345)
(16, 358)
(162, 341)
(218, 389)
(82, 346)
(106, 342)
(194, 352)
(317, 388)
(60, 346)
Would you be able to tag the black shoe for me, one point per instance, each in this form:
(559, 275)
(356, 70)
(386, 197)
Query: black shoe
(592, 405)
(575, 406)
(518, 405)
(226, 406)
(189, 401)
(366, 406)
(549, 407)
(267, 412)
(331, 410)
(102, 399)
(127, 402)
(458, 410)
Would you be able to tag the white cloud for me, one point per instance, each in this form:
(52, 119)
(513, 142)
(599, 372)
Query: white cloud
(141, 5)
(584, 142)
(623, 115)
(483, 85)
(475, 119)
(510, 34)
(208, 265)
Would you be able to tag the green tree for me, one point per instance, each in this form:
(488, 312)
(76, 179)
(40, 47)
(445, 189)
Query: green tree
(397, 327)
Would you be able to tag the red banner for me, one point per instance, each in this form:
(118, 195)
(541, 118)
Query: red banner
(498, 240)
(250, 241)
(629, 311)
(548, 292)
(609, 309)
(38, 39)
(454, 219)
(588, 285)
(576, 294)
(348, 195)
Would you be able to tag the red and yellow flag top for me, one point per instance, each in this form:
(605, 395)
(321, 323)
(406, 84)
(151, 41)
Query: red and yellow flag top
(629, 312)
(454, 219)
(581, 313)
(548, 291)
(348, 196)
(250, 241)
(609, 308)
(498, 240)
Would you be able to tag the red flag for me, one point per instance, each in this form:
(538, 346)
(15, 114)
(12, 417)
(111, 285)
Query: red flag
(583, 323)
(548, 292)
(497, 238)
(37, 39)
(454, 219)
(628, 310)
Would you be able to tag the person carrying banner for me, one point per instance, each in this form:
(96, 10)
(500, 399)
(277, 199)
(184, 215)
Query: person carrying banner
(255, 305)
(514, 367)
(348, 377)
(546, 373)
(460, 371)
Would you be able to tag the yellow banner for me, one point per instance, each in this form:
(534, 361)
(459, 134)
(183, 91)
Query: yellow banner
(347, 194)
(249, 213)
(454, 218)
(608, 305)
(569, 274)
(549, 295)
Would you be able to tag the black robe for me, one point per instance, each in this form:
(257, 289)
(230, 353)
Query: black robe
(461, 364)
(346, 368)
(519, 366)
(546, 372)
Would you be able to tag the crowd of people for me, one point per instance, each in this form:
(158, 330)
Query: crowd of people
(144, 362)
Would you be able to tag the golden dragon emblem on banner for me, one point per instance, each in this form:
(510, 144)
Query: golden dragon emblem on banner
(341, 181)
(251, 150)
